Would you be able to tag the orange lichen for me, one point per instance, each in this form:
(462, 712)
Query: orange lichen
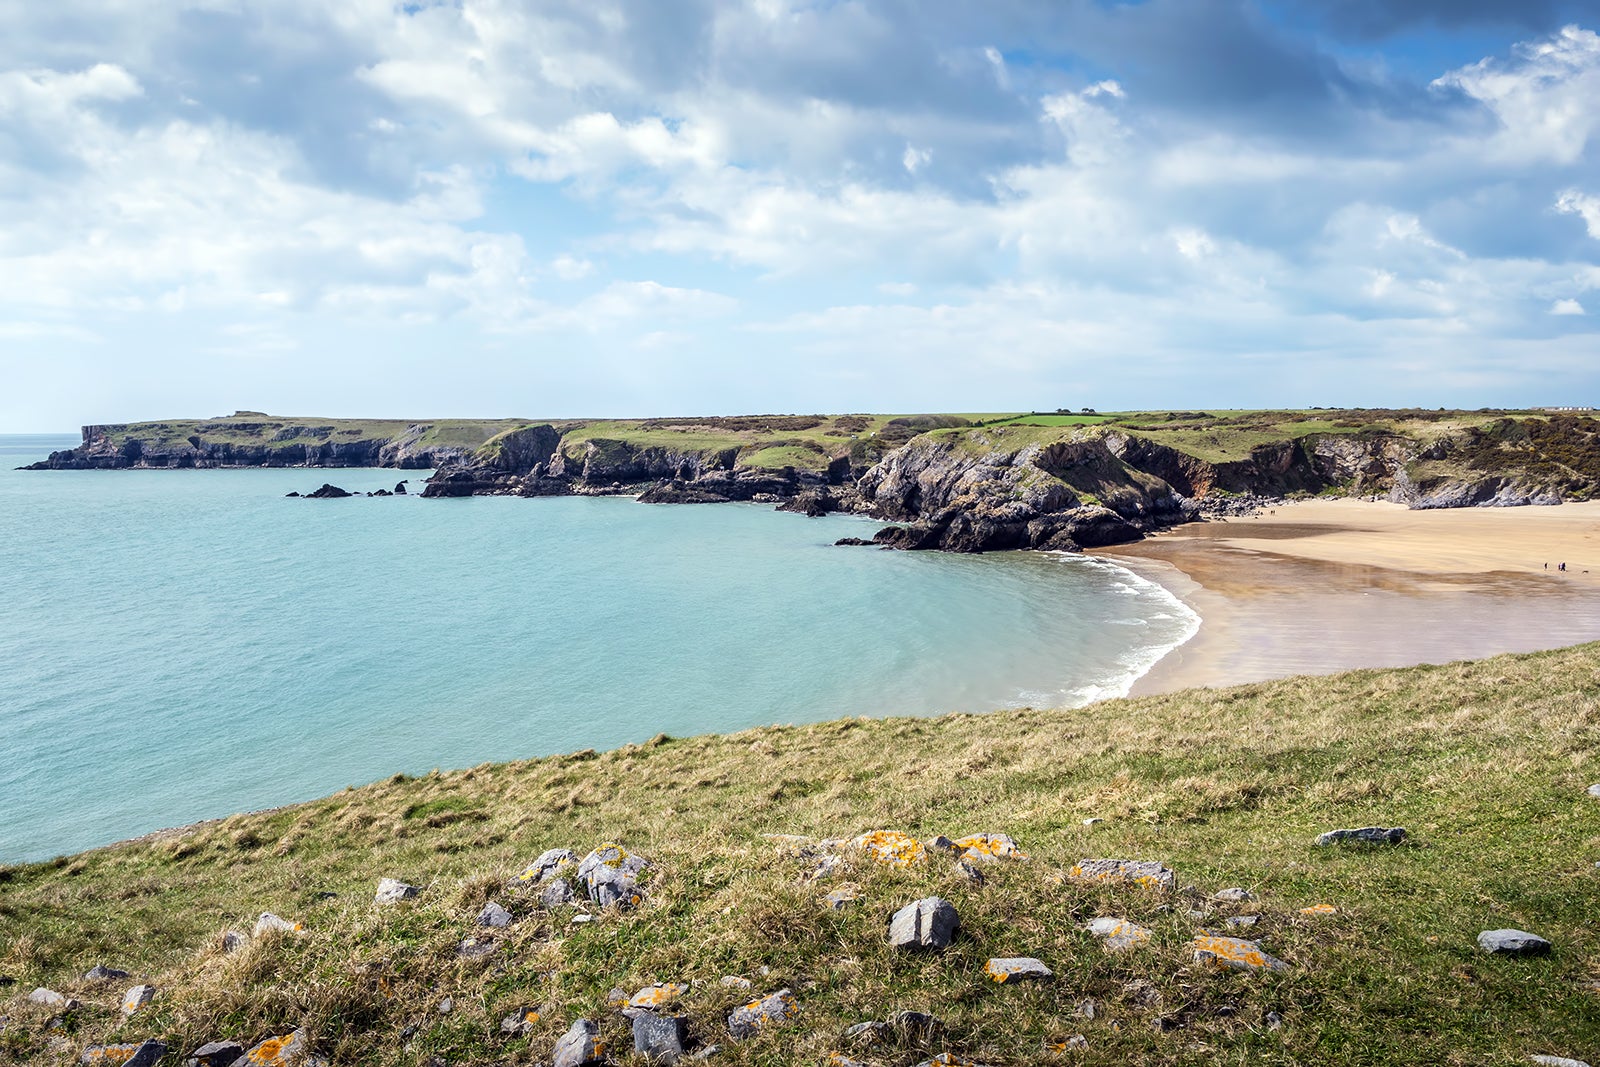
(1234, 952)
(111, 1055)
(270, 1052)
(989, 847)
(530, 1016)
(891, 847)
(1319, 909)
(653, 996)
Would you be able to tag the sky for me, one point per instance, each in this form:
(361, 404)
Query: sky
(579, 208)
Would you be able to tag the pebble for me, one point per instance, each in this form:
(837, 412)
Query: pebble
(494, 915)
(1319, 909)
(579, 1046)
(1086, 1008)
(215, 1054)
(1243, 920)
(1273, 1020)
(546, 866)
(1119, 934)
(968, 873)
(142, 1054)
(747, 1021)
(137, 997)
(51, 999)
(581, 919)
(446, 1006)
(946, 1059)
(659, 1038)
(1236, 895)
(1513, 943)
(733, 981)
(927, 923)
(1235, 953)
(1556, 1061)
(520, 1022)
(1147, 873)
(837, 899)
(270, 923)
(474, 948)
(101, 973)
(1371, 835)
(1093, 822)
(1016, 969)
(393, 891)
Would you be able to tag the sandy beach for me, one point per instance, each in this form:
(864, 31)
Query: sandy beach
(1319, 586)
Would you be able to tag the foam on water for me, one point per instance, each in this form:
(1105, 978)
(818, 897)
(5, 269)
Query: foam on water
(177, 645)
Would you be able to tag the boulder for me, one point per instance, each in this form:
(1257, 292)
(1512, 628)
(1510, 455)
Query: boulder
(51, 999)
(494, 915)
(580, 1046)
(1016, 969)
(557, 892)
(393, 891)
(1368, 835)
(141, 1054)
(1119, 934)
(659, 1038)
(747, 1021)
(327, 492)
(215, 1054)
(1147, 873)
(269, 923)
(137, 997)
(546, 866)
(400, 488)
(101, 973)
(1234, 953)
(1513, 943)
(927, 923)
(609, 875)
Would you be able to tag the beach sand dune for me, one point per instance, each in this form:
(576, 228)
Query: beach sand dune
(1326, 585)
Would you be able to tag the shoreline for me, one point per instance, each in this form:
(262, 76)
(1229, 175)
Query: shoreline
(1320, 586)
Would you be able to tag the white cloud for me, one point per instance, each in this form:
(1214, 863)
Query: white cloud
(1566, 307)
(1572, 202)
(1543, 97)
(915, 159)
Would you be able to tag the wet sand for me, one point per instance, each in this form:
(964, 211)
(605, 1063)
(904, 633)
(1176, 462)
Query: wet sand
(1329, 585)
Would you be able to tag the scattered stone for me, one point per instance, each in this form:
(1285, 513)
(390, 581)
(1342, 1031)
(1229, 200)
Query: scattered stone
(284, 1051)
(549, 863)
(867, 1034)
(142, 1054)
(1234, 953)
(1594, 790)
(581, 919)
(475, 948)
(520, 1023)
(989, 847)
(579, 1046)
(747, 1021)
(51, 999)
(1086, 1008)
(826, 867)
(1147, 873)
(657, 996)
(891, 847)
(940, 843)
(555, 894)
(215, 1054)
(494, 915)
(1556, 1061)
(1016, 969)
(660, 1038)
(927, 923)
(327, 894)
(1119, 934)
(837, 899)
(707, 1052)
(839, 1059)
(915, 1027)
(1370, 835)
(137, 997)
(1075, 1041)
(609, 875)
(1272, 1020)
(965, 870)
(101, 973)
(1319, 909)
(1235, 895)
(733, 981)
(234, 940)
(270, 923)
(1513, 943)
(1092, 822)
(446, 1006)
(393, 891)
(1243, 920)
(946, 1059)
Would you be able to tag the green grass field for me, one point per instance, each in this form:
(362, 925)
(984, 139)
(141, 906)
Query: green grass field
(1485, 763)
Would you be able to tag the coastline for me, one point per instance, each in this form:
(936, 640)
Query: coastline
(1321, 586)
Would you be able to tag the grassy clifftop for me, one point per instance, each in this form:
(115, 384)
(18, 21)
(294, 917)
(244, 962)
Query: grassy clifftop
(1485, 763)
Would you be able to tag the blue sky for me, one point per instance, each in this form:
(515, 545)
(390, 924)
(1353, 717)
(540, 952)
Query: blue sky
(632, 207)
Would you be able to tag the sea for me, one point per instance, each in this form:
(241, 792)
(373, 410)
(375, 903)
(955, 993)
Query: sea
(183, 645)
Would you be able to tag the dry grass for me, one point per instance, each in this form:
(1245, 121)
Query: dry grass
(1486, 763)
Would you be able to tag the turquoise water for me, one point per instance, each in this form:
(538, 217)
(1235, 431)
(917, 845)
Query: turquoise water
(178, 645)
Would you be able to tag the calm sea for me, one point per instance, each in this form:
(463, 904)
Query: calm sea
(178, 645)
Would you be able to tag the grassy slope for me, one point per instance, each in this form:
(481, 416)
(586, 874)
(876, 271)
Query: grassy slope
(1486, 763)
(254, 429)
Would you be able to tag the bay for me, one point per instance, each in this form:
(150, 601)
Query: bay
(180, 645)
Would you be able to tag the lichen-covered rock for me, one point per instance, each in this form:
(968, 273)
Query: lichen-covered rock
(837, 899)
(1016, 969)
(1234, 953)
(949, 1059)
(579, 1046)
(660, 1038)
(101, 973)
(493, 915)
(269, 923)
(929, 923)
(558, 892)
(521, 1022)
(1119, 934)
(547, 866)
(609, 875)
(286, 1051)
(1319, 909)
(215, 1054)
(1366, 835)
(733, 981)
(137, 997)
(968, 872)
(891, 847)
(393, 891)
(51, 999)
(138, 1054)
(1513, 943)
(989, 847)
(748, 1020)
(475, 948)
(657, 996)
(1147, 873)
